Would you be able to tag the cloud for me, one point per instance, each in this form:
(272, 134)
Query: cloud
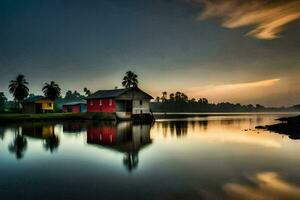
(264, 83)
(268, 18)
(233, 92)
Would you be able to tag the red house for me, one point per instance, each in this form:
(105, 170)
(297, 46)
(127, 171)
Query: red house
(123, 102)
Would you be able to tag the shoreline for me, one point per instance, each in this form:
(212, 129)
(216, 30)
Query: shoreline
(18, 117)
(288, 126)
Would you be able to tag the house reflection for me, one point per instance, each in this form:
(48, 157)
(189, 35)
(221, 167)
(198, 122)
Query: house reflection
(74, 127)
(42, 131)
(124, 137)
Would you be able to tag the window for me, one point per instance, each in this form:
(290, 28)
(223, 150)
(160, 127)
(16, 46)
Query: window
(110, 102)
(100, 102)
(50, 104)
(92, 103)
(141, 102)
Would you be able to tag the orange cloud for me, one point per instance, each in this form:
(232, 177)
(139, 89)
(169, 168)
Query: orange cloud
(264, 83)
(268, 17)
(232, 92)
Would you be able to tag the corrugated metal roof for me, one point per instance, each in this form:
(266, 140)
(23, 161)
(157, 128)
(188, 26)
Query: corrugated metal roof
(107, 93)
(33, 99)
(102, 94)
(74, 103)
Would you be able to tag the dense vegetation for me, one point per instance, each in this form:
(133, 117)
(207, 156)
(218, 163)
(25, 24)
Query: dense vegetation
(179, 102)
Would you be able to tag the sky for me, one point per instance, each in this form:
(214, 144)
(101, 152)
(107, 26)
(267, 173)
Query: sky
(229, 50)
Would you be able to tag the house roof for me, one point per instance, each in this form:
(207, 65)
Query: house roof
(102, 94)
(34, 99)
(61, 101)
(107, 93)
(74, 103)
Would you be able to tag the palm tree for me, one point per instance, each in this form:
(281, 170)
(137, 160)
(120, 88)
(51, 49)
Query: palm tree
(87, 91)
(3, 99)
(164, 96)
(52, 90)
(18, 88)
(130, 80)
(172, 97)
(157, 99)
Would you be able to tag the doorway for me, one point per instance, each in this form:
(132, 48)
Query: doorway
(38, 108)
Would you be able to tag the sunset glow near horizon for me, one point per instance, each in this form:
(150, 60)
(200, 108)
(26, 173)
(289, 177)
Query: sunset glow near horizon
(237, 51)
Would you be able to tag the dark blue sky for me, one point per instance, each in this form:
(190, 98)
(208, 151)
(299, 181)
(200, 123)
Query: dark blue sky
(91, 43)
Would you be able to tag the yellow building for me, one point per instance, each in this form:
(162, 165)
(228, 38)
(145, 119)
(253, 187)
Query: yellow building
(37, 104)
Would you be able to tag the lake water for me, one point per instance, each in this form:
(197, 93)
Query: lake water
(213, 157)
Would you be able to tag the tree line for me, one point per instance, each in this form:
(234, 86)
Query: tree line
(180, 102)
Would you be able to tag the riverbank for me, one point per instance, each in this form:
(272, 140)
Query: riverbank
(288, 126)
(12, 118)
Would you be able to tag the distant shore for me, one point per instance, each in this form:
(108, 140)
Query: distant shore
(288, 126)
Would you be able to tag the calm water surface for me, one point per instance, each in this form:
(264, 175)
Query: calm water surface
(215, 157)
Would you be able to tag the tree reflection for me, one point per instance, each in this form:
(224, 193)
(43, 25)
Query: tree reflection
(178, 127)
(18, 145)
(203, 124)
(2, 133)
(51, 143)
(131, 160)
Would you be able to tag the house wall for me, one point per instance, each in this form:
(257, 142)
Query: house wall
(75, 108)
(93, 105)
(83, 108)
(28, 108)
(138, 108)
(65, 109)
(134, 93)
(47, 105)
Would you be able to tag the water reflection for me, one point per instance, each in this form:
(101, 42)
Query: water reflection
(2, 133)
(19, 144)
(207, 158)
(263, 185)
(124, 137)
(76, 127)
(44, 132)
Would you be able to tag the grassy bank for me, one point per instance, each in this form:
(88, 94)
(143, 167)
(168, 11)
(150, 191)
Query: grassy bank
(7, 118)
